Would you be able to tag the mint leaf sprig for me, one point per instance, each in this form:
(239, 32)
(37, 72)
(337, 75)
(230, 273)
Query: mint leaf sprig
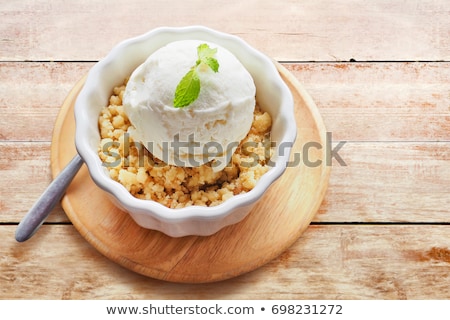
(188, 89)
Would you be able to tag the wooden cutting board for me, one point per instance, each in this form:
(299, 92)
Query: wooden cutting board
(273, 225)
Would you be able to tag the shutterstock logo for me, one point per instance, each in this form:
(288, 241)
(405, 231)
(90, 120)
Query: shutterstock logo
(214, 150)
(330, 153)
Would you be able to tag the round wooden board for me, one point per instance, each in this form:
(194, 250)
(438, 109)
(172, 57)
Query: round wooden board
(274, 224)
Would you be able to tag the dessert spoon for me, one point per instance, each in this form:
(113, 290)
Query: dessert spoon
(47, 201)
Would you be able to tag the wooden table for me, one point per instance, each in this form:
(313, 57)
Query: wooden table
(379, 73)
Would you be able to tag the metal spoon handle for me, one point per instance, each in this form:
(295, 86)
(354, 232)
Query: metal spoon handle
(47, 201)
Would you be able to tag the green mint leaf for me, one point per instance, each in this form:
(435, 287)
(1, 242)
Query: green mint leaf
(206, 56)
(212, 63)
(204, 51)
(187, 90)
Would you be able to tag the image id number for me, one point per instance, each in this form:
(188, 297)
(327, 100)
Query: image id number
(307, 309)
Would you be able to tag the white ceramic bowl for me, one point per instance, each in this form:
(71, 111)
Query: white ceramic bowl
(272, 94)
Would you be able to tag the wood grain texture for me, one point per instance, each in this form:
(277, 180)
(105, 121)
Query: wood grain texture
(382, 182)
(287, 30)
(390, 182)
(358, 101)
(327, 262)
(405, 109)
(380, 101)
(25, 173)
(35, 92)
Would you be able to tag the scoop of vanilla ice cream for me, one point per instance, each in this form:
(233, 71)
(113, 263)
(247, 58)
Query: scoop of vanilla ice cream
(208, 129)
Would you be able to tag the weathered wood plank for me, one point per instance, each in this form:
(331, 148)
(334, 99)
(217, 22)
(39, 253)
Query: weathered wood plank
(31, 95)
(25, 173)
(358, 101)
(327, 262)
(381, 182)
(380, 101)
(286, 30)
(396, 182)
